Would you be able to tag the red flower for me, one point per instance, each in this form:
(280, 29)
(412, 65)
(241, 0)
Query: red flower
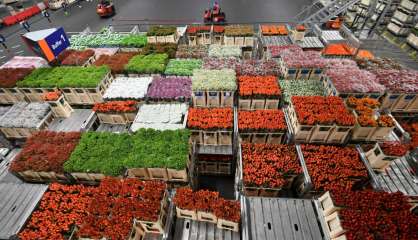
(312, 110)
(259, 86)
(51, 96)
(210, 118)
(267, 120)
(269, 165)
(115, 106)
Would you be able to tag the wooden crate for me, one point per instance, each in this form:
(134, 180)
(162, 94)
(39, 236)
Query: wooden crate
(362, 133)
(116, 118)
(321, 133)
(227, 99)
(158, 174)
(381, 133)
(214, 167)
(377, 159)
(141, 173)
(327, 205)
(289, 73)
(22, 133)
(192, 40)
(87, 177)
(389, 100)
(35, 94)
(339, 134)
(187, 214)
(138, 232)
(239, 41)
(249, 41)
(275, 138)
(210, 138)
(218, 39)
(206, 217)
(316, 74)
(213, 99)
(406, 103)
(157, 227)
(151, 39)
(228, 225)
(229, 41)
(177, 175)
(42, 177)
(196, 136)
(272, 103)
(333, 225)
(304, 73)
(258, 103)
(11, 95)
(224, 137)
(261, 192)
(199, 98)
(244, 104)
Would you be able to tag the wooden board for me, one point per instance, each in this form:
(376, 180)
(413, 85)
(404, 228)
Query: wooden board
(281, 218)
(194, 230)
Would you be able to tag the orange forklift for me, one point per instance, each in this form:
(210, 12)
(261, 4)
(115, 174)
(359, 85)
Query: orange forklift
(105, 9)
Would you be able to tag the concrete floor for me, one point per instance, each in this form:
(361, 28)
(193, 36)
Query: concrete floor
(129, 12)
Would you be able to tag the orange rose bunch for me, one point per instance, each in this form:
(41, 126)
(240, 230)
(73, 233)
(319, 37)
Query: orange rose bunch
(115, 106)
(259, 86)
(264, 120)
(312, 110)
(210, 118)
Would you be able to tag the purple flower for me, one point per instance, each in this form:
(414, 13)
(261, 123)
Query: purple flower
(170, 88)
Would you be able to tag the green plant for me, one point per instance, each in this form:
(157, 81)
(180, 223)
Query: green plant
(137, 41)
(84, 77)
(153, 63)
(182, 67)
(169, 48)
(161, 30)
(110, 153)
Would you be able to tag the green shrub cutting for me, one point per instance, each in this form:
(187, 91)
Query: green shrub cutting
(110, 153)
(153, 63)
(62, 77)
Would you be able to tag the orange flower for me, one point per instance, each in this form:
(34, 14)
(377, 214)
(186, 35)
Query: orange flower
(210, 118)
(262, 86)
(115, 106)
(51, 96)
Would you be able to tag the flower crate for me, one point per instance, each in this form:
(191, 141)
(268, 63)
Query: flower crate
(334, 128)
(400, 102)
(219, 165)
(268, 170)
(74, 95)
(206, 217)
(378, 159)
(8, 79)
(199, 120)
(158, 174)
(157, 227)
(199, 35)
(332, 91)
(116, 112)
(259, 92)
(89, 178)
(116, 118)
(42, 177)
(213, 88)
(165, 174)
(162, 34)
(213, 98)
(207, 206)
(11, 95)
(24, 119)
(187, 214)
(262, 126)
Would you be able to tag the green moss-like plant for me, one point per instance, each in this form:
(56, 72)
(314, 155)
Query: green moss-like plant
(182, 67)
(62, 77)
(153, 63)
(136, 41)
(110, 153)
(161, 30)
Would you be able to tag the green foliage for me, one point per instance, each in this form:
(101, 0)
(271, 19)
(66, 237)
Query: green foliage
(161, 30)
(137, 41)
(182, 67)
(83, 77)
(110, 153)
(169, 48)
(153, 63)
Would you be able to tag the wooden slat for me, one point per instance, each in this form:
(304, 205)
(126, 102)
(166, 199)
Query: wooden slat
(304, 228)
(268, 220)
(291, 205)
(288, 233)
(277, 221)
(258, 221)
(312, 220)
